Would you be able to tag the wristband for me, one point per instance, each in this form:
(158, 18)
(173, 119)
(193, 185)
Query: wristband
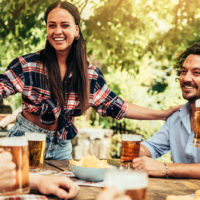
(166, 170)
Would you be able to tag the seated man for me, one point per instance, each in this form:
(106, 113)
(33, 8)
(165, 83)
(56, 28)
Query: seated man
(177, 132)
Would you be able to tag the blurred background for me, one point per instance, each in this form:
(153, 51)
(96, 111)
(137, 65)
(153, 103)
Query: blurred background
(134, 42)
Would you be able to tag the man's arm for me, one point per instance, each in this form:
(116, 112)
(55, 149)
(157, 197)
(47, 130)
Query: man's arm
(144, 151)
(158, 169)
(180, 170)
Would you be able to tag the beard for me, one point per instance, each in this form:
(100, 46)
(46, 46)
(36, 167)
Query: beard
(191, 99)
(191, 96)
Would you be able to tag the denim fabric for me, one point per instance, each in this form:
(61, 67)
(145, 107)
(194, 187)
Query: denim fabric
(56, 149)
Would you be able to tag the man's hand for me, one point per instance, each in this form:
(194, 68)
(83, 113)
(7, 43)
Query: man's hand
(61, 186)
(149, 165)
(7, 170)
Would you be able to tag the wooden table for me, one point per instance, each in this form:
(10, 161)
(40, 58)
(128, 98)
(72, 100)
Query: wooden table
(158, 188)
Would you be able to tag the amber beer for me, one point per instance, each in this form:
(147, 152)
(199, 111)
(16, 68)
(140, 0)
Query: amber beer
(129, 182)
(36, 143)
(130, 147)
(196, 140)
(18, 147)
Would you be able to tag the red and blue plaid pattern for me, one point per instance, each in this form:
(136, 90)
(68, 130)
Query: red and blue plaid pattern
(25, 75)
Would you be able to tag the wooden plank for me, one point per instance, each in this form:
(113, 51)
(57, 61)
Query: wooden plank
(60, 165)
(87, 193)
(159, 188)
(11, 118)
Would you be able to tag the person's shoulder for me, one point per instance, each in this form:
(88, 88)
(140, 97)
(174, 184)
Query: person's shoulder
(92, 68)
(21, 60)
(93, 71)
(31, 57)
(178, 114)
(174, 115)
(26, 58)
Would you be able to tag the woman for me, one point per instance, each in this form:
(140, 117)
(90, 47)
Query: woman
(58, 84)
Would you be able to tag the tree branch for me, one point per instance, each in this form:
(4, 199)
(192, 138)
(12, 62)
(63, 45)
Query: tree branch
(83, 7)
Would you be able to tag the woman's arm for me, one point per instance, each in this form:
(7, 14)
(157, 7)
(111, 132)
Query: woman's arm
(138, 112)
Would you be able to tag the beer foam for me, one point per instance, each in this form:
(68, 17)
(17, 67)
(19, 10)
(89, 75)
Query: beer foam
(197, 103)
(33, 136)
(126, 179)
(13, 141)
(131, 137)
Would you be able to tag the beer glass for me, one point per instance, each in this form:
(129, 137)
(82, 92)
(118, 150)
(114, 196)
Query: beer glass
(130, 147)
(36, 143)
(196, 140)
(129, 182)
(18, 147)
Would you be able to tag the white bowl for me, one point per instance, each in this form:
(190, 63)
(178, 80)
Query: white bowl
(88, 174)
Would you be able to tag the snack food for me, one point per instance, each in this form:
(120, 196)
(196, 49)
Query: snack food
(91, 162)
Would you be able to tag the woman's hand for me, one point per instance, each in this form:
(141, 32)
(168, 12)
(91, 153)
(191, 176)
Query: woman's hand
(7, 170)
(170, 111)
(61, 186)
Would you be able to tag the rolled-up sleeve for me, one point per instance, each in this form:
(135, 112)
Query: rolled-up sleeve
(11, 81)
(103, 100)
(158, 144)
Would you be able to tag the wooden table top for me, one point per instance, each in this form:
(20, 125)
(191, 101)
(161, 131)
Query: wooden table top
(158, 188)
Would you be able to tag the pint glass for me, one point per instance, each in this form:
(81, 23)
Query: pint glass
(196, 140)
(36, 143)
(129, 149)
(129, 182)
(18, 147)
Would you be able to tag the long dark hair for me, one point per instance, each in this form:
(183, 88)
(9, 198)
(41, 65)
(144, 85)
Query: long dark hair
(76, 78)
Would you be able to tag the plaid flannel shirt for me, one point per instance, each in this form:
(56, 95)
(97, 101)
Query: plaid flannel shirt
(24, 74)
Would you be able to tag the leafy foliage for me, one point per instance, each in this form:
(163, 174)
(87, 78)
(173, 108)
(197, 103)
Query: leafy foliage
(134, 42)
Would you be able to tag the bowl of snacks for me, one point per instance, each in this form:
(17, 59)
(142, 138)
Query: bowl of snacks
(89, 168)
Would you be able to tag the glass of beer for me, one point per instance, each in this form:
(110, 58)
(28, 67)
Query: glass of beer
(130, 147)
(36, 143)
(18, 147)
(196, 140)
(129, 182)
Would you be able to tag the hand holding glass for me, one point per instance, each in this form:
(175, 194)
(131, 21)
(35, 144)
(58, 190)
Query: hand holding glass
(130, 149)
(18, 147)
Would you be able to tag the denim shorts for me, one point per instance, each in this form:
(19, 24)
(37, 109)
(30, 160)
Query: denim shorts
(55, 149)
